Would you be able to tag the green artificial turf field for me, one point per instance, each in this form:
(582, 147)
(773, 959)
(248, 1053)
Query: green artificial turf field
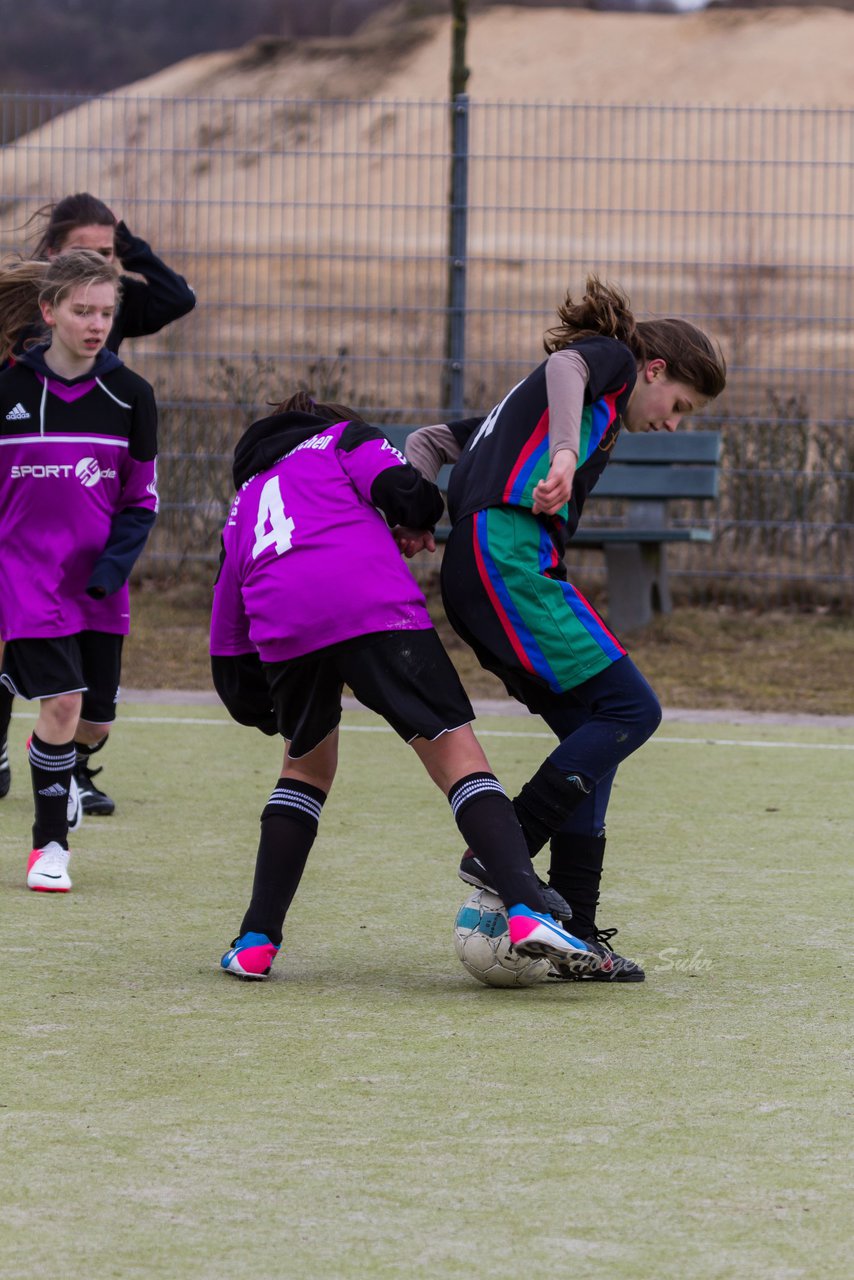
(372, 1111)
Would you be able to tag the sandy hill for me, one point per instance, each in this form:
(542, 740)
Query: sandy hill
(779, 57)
(225, 158)
(237, 132)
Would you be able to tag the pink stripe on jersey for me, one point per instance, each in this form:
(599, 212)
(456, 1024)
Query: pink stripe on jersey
(66, 393)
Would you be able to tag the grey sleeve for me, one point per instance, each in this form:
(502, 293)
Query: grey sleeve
(566, 378)
(431, 448)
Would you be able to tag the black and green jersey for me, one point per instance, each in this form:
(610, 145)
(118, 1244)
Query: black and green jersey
(507, 453)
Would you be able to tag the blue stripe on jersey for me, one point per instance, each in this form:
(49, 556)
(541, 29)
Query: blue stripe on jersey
(546, 554)
(525, 474)
(523, 634)
(602, 416)
(591, 622)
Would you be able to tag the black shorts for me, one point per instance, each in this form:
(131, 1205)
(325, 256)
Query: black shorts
(89, 663)
(405, 676)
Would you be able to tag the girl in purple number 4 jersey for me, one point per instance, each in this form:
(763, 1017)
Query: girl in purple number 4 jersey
(312, 594)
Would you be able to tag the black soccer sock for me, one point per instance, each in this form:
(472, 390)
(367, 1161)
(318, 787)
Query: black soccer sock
(485, 817)
(6, 700)
(50, 767)
(545, 802)
(576, 872)
(288, 828)
(86, 749)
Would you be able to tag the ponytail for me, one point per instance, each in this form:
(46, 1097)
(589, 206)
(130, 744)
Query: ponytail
(605, 312)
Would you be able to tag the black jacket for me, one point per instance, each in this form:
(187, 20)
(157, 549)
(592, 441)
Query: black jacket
(146, 305)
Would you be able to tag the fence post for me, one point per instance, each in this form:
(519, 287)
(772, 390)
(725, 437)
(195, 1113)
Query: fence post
(453, 388)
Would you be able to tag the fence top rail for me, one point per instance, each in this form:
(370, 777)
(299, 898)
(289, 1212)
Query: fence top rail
(789, 109)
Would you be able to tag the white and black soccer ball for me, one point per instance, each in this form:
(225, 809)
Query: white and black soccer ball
(482, 942)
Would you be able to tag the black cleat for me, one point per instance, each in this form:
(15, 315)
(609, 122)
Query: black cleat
(613, 968)
(92, 800)
(5, 770)
(472, 871)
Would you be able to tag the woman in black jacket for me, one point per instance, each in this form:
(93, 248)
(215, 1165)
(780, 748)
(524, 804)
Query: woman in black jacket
(82, 221)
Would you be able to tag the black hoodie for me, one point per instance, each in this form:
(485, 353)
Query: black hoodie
(401, 493)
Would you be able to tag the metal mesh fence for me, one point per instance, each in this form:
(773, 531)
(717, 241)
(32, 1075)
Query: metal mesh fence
(316, 235)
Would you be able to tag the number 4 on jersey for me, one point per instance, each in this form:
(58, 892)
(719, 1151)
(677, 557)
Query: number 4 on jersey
(273, 527)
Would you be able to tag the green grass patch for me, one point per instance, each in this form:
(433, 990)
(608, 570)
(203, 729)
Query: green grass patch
(372, 1111)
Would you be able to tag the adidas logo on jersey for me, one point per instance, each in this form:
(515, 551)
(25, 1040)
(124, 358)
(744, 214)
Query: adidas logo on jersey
(55, 790)
(17, 414)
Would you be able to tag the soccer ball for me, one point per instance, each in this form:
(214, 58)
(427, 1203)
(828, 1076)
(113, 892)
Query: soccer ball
(482, 941)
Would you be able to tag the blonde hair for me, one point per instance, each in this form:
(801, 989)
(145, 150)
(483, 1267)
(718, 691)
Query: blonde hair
(27, 283)
(605, 311)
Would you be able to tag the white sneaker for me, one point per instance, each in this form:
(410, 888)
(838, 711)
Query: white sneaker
(47, 869)
(75, 806)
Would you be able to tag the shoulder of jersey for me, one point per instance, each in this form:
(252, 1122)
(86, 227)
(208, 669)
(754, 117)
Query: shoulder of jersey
(127, 379)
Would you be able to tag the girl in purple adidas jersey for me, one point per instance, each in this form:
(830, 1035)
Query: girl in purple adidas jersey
(521, 478)
(152, 297)
(312, 594)
(78, 497)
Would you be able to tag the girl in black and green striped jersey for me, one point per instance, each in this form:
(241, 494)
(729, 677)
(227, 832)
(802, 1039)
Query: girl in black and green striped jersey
(516, 493)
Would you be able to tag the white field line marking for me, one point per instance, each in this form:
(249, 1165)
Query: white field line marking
(660, 740)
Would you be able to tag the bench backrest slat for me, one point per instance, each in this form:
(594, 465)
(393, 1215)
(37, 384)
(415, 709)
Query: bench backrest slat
(628, 480)
(658, 446)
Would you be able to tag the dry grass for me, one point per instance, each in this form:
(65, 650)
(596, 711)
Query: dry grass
(695, 658)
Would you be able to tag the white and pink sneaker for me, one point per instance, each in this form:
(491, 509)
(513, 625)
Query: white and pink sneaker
(47, 869)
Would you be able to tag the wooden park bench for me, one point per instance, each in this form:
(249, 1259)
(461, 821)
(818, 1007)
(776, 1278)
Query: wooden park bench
(646, 473)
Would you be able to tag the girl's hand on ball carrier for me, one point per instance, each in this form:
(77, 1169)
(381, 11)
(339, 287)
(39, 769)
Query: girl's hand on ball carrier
(411, 541)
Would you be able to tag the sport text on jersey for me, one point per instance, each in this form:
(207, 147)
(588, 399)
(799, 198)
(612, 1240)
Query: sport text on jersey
(88, 471)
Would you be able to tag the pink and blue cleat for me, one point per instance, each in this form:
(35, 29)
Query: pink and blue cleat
(250, 956)
(534, 934)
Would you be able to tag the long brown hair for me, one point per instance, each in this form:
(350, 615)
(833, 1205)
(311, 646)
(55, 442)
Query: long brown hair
(61, 217)
(27, 283)
(605, 311)
(301, 402)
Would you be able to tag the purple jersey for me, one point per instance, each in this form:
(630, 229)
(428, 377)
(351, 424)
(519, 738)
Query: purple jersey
(308, 559)
(77, 495)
